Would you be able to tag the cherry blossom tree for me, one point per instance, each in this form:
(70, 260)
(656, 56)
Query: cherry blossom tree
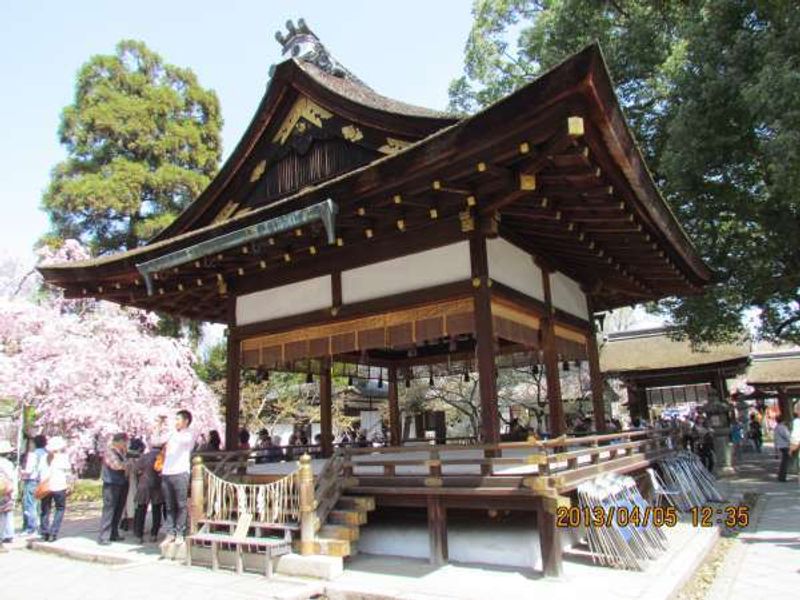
(92, 368)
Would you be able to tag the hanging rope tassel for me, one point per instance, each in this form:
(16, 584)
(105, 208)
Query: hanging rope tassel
(275, 502)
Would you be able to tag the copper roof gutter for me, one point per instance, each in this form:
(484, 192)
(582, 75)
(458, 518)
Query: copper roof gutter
(322, 211)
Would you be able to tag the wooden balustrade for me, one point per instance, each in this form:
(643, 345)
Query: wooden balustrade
(558, 464)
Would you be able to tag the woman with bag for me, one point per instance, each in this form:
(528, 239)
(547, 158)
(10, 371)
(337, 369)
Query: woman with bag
(7, 488)
(54, 489)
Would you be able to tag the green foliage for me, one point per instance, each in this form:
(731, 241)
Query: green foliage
(87, 490)
(142, 139)
(712, 91)
(212, 367)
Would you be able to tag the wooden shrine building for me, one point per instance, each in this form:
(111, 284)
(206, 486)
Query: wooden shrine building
(350, 233)
(658, 369)
(352, 230)
(774, 372)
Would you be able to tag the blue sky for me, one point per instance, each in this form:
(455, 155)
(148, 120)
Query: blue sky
(408, 50)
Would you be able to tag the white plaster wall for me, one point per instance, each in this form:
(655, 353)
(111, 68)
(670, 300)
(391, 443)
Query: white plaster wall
(413, 272)
(510, 544)
(284, 301)
(514, 267)
(568, 295)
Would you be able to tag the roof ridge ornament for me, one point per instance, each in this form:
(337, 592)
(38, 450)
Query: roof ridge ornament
(303, 44)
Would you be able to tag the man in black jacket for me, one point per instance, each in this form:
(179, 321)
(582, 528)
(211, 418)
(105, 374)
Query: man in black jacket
(115, 484)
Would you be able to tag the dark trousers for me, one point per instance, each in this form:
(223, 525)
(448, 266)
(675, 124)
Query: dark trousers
(141, 515)
(59, 499)
(175, 490)
(784, 466)
(707, 458)
(114, 496)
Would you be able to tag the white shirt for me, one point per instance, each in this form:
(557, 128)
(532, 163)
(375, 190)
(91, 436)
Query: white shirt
(36, 464)
(795, 439)
(58, 473)
(178, 453)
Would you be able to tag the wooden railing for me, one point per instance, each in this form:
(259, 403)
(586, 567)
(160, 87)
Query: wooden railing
(560, 463)
(328, 486)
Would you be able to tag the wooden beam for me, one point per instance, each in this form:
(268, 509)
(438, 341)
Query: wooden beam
(527, 172)
(446, 291)
(549, 540)
(364, 252)
(595, 375)
(394, 408)
(484, 334)
(550, 350)
(325, 409)
(232, 391)
(437, 530)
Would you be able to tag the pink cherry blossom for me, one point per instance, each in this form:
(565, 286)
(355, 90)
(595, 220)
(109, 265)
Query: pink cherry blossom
(92, 368)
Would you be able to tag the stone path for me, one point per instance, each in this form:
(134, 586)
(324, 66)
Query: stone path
(765, 560)
(763, 564)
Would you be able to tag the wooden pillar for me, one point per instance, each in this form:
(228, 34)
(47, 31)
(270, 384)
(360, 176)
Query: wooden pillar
(556, 425)
(785, 405)
(595, 376)
(437, 530)
(549, 539)
(325, 410)
(308, 513)
(232, 391)
(196, 508)
(484, 333)
(722, 386)
(394, 409)
(634, 409)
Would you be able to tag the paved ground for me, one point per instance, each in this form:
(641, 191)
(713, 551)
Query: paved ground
(763, 561)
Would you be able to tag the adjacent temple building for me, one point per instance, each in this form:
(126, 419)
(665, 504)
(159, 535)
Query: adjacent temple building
(349, 233)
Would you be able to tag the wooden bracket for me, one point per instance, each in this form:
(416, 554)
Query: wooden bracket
(551, 504)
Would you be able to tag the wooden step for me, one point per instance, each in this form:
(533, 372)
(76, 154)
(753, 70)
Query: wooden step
(362, 503)
(347, 517)
(448, 481)
(339, 532)
(328, 547)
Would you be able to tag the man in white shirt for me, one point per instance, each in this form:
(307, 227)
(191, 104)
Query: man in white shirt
(781, 437)
(175, 476)
(794, 440)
